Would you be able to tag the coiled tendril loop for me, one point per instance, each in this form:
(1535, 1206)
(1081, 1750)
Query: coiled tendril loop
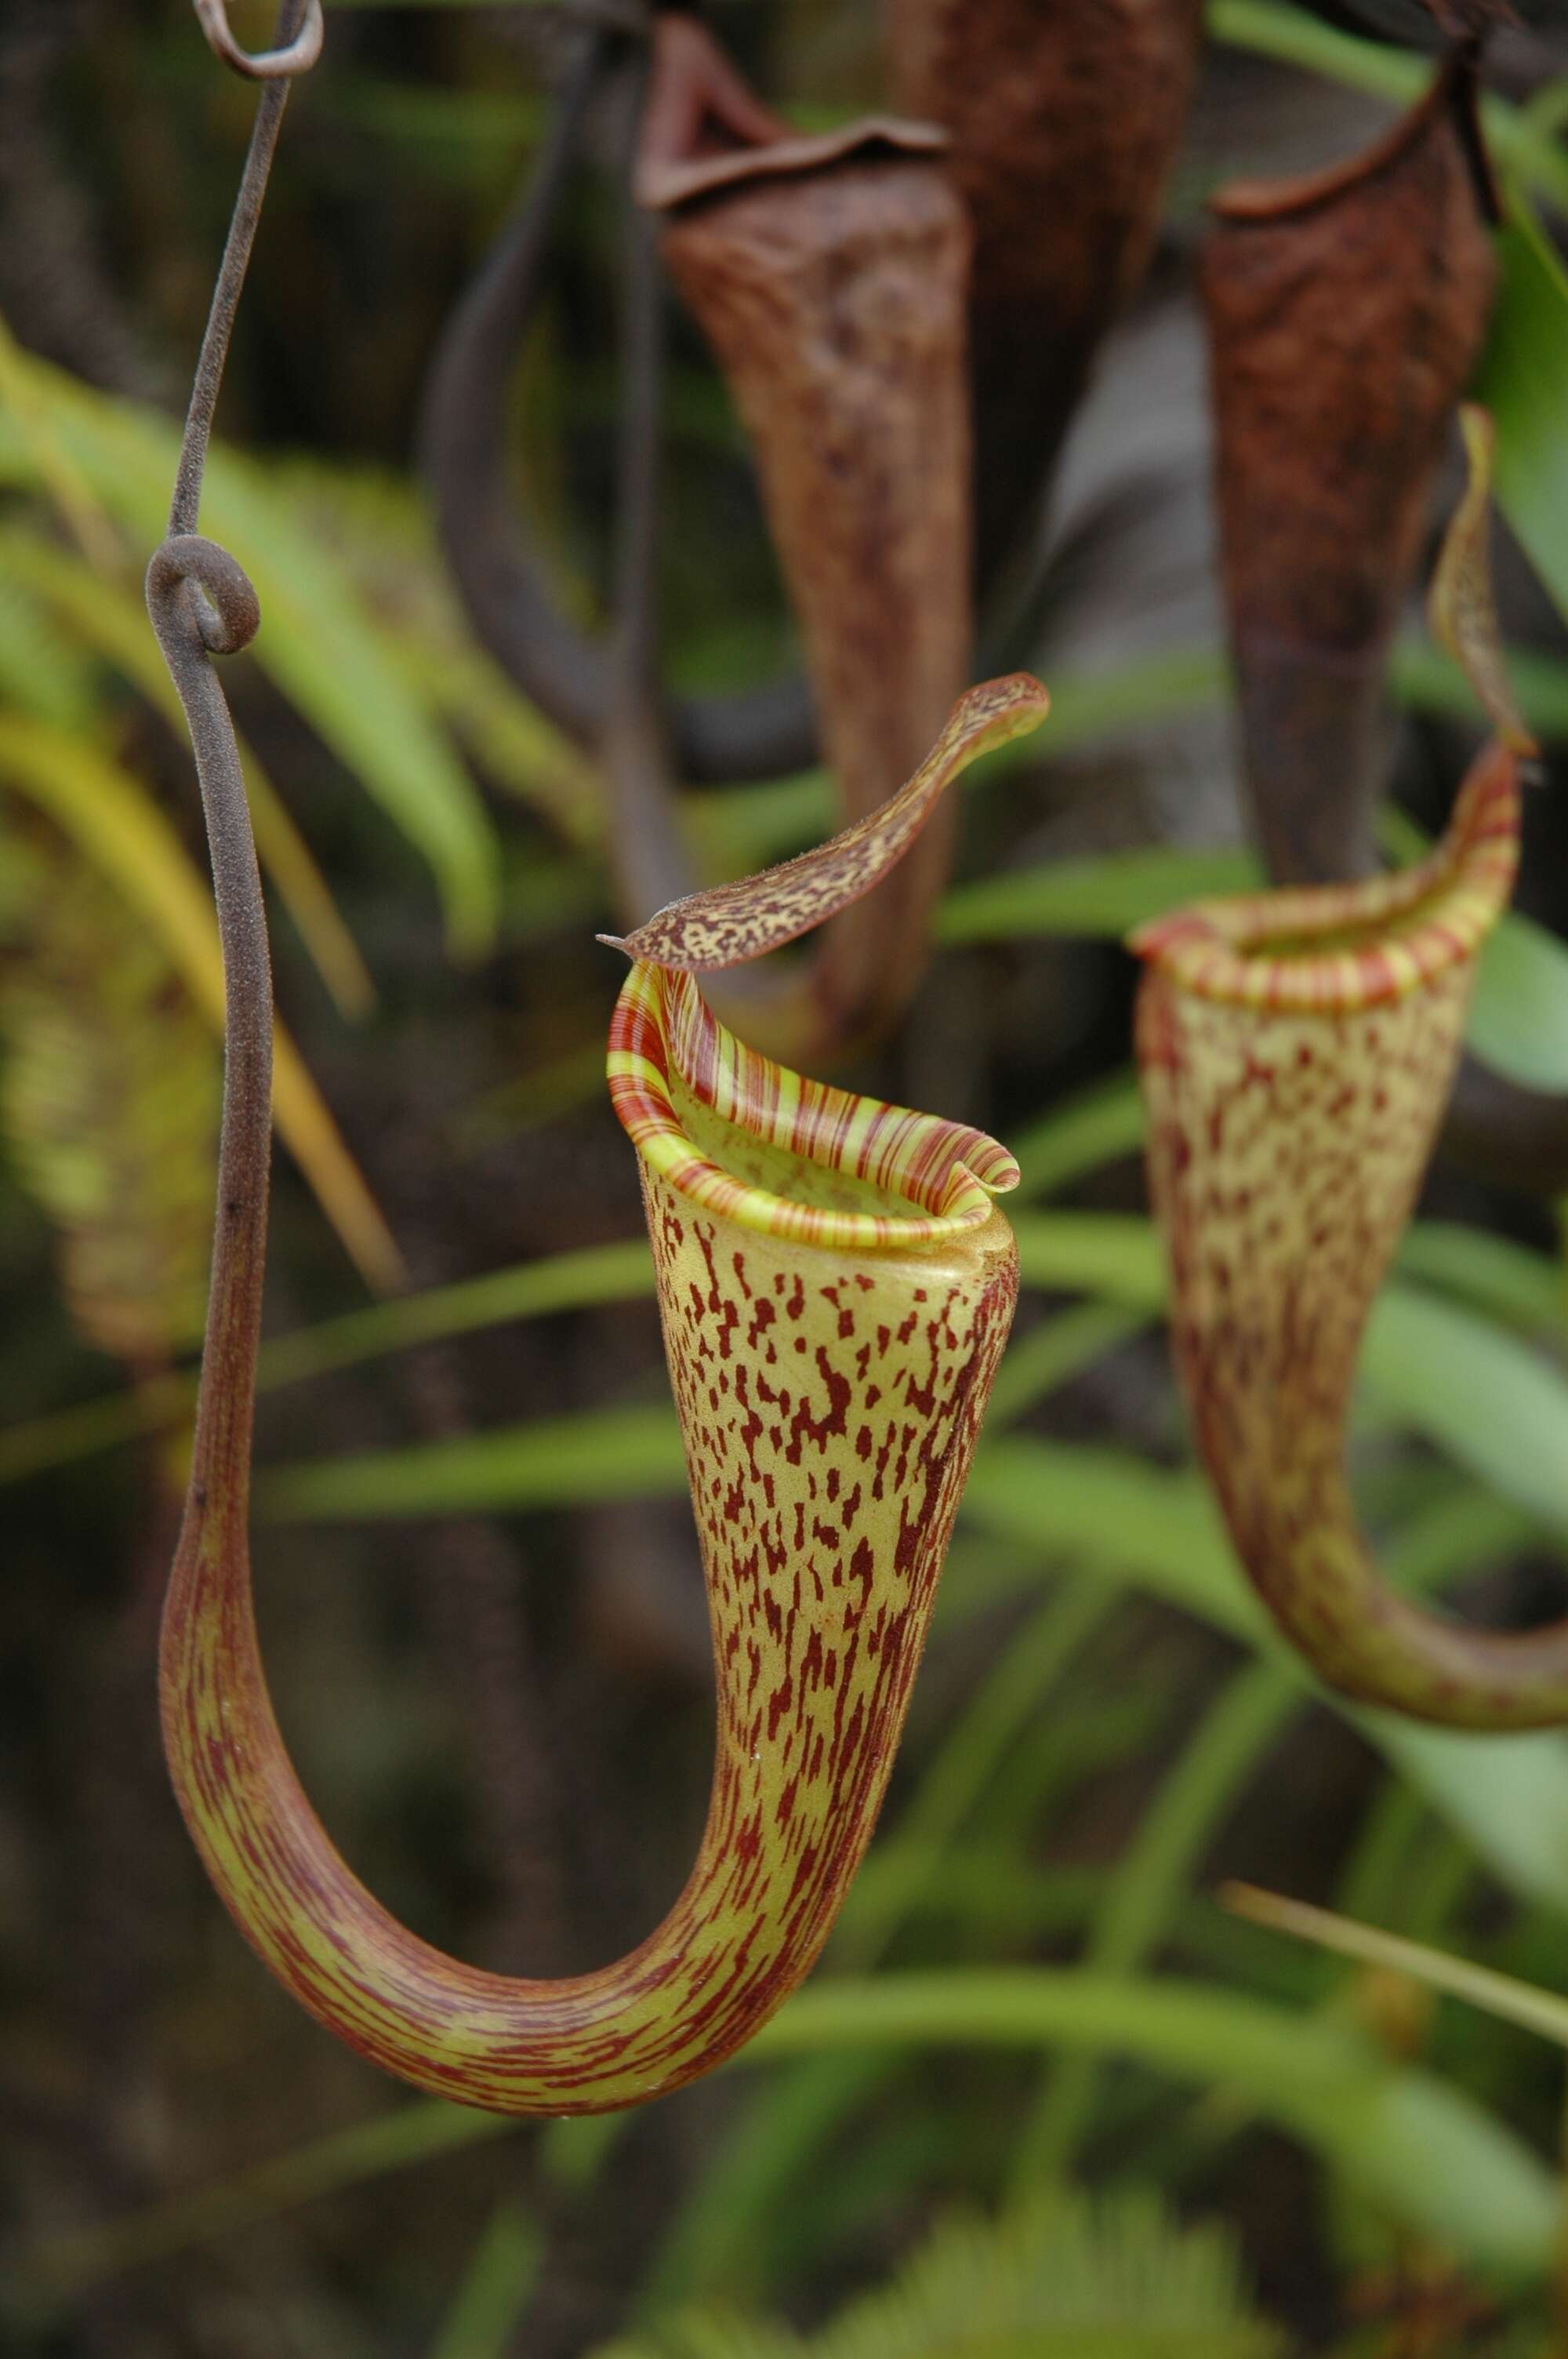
(281, 64)
(225, 610)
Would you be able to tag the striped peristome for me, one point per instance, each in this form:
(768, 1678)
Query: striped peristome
(835, 1288)
(663, 1034)
(1333, 950)
(1296, 1050)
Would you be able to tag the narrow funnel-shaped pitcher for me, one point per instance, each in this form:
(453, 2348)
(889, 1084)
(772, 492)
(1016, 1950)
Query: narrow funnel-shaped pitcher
(830, 276)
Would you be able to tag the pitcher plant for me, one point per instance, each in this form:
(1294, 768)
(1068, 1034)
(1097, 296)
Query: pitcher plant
(830, 276)
(1296, 1050)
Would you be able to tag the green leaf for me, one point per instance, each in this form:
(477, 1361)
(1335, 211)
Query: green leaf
(1519, 1016)
(41, 672)
(568, 1281)
(316, 641)
(1429, 2156)
(612, 1453)
(954, 1780)
(1056, 1349)
(1541, 2011)
(380, 528)
(1159, 1528)
(1114, 1253)
(747, 2180)
(1098, 1127)
(105, 615)
(496, 2288)
(752, 2172)
(1494, 1404)
(394, 2140)
(1497, 1406)
(1109, 1511)
(1512, 1283)
(1519, 1007)
(1202, 1785)
(1428, 680)
(118, 828)
(1522, 378)
(1507, 1795)
(1437, 2159)
(736, 829)
(109, 1100)
(1107, 895)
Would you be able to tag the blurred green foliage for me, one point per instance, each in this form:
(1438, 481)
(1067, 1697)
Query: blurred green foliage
(1034, 1984)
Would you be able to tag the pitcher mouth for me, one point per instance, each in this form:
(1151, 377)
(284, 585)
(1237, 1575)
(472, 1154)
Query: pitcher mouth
(1332, 949)
(1252, 202)
(745, 1138)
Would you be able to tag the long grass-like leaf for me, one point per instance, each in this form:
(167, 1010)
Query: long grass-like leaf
(1541, 2011)
(1424, 1357)
(1520, 378)
(42, 671)
(106, 813)
(1517, 1021)
(1103, 898)
(1430, 2155)
(1159, 1528)
(569, 1281)
(319, 645)
(110, 618)
(1178, 1826)
(495, 2289)
(1509, 1794)
(1408, 2141)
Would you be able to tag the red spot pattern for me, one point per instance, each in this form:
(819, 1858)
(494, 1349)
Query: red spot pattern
(729, 923)
(824, 1508)
(1287, 1140)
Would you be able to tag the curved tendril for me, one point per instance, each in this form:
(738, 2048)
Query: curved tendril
(185, 503)
(1498, 1127)
(280, 63)
(648, 855)
(202, 604)
(861, 445)
(501, 578)
(1295, 1049)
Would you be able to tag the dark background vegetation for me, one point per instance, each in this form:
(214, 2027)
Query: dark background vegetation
(505, 1718)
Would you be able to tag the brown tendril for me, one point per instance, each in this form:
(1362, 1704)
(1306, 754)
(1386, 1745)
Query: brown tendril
(202, 605)
(281, 63)
(501, 577)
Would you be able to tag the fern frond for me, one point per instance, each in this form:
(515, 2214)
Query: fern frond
(1062, 2276)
